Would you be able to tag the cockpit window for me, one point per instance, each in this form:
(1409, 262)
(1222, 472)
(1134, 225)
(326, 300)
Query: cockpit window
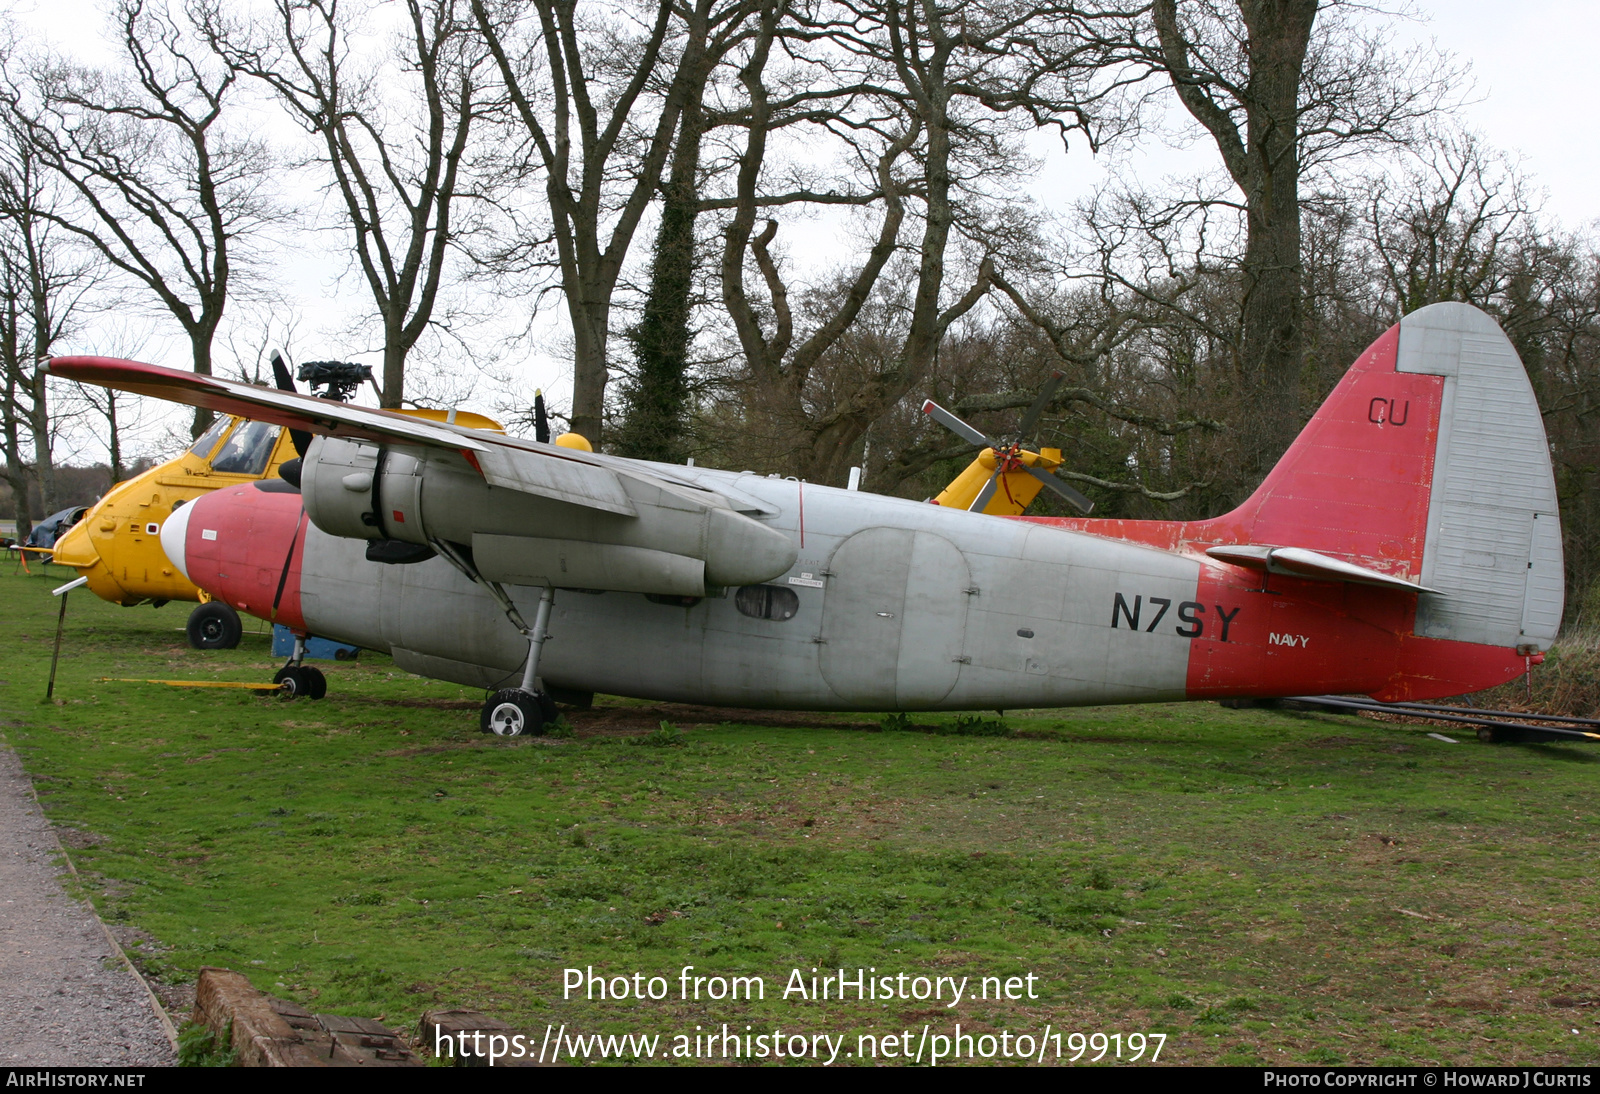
(247, 449)
(208, 440)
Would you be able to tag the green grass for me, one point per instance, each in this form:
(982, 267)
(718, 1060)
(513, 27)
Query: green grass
(1263, 887)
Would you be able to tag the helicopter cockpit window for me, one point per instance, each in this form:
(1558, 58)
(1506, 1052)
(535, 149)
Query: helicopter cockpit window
(247, 449)
(208, 440)
(767, 602)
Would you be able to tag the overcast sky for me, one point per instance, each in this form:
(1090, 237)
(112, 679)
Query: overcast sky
(1535, 90)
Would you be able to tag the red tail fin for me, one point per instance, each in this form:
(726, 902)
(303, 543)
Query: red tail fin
(1428, 463)
(1357, 481)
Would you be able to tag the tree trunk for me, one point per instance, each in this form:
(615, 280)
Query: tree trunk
(114, 441)
(1271, 323)
(44, 468)
(200, 348)
(1264, 162)
(17, 475)
(657, 398)
(590, 311)
(394, 368)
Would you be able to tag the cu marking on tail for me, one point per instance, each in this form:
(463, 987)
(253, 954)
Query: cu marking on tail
(1300, 640)
(1381, 411)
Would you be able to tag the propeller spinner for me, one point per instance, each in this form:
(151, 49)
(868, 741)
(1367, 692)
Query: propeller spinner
(1009, 454)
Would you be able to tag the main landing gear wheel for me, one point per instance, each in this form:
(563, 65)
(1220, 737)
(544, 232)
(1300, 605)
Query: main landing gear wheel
(513, 712)
(301, 680)
(214, 626)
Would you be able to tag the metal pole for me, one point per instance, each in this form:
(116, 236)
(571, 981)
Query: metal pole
(61, 623)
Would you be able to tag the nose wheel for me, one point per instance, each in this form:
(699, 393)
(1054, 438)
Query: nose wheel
(301, 680)
(214, 626)
(297, 679)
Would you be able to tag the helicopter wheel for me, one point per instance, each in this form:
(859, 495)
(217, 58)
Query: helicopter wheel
(513, 712)
(214, 626)
(301, 680)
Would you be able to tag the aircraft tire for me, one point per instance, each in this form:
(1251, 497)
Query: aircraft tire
(214, 626)
(316, 683)
(301, 682)
(513, 712)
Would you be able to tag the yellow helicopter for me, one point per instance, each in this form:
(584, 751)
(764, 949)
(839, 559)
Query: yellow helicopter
(1005, 477)
(116, 546)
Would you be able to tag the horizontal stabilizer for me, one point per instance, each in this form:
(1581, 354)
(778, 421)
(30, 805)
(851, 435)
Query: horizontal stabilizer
(1299, 562)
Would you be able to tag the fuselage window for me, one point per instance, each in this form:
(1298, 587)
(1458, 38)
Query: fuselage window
(247, 449)
(767, 602)
(208, 440)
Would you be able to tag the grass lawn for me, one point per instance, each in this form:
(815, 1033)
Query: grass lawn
(1261, 887)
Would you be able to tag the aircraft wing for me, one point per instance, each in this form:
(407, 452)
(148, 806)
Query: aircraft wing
(526, 466)
(679, 535)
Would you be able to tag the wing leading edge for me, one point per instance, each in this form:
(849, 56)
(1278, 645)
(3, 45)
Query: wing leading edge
(526, 466)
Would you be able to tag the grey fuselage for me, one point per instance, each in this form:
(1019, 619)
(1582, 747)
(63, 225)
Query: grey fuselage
(899, 605)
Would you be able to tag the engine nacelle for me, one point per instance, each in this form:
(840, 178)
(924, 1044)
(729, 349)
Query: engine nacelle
(679, 541)
(363, 491)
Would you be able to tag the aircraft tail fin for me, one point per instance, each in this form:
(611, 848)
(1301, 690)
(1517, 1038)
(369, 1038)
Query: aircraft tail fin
(1429, 463)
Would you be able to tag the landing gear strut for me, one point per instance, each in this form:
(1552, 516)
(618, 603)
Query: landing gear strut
(524, 711)
(520, 711)
(297, 679)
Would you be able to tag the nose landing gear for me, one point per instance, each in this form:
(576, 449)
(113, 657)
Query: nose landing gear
(296, 679)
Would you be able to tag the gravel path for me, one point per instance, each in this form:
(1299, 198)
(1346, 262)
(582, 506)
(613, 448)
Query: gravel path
(65, 996)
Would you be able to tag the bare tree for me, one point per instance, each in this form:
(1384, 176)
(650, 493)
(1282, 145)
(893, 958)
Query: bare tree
(600, 101)
(401, 184)
(1448, 228)
(44, 279)
(165, 191)
(1282, 88)
(926, 97)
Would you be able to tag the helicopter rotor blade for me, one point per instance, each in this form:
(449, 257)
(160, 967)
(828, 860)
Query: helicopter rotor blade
(1036, 411)
(957, 426)
(980, 502)
(1083, 504)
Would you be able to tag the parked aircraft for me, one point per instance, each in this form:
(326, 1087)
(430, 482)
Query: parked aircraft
(49, 531)
(116, 544)
(1407, 547)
